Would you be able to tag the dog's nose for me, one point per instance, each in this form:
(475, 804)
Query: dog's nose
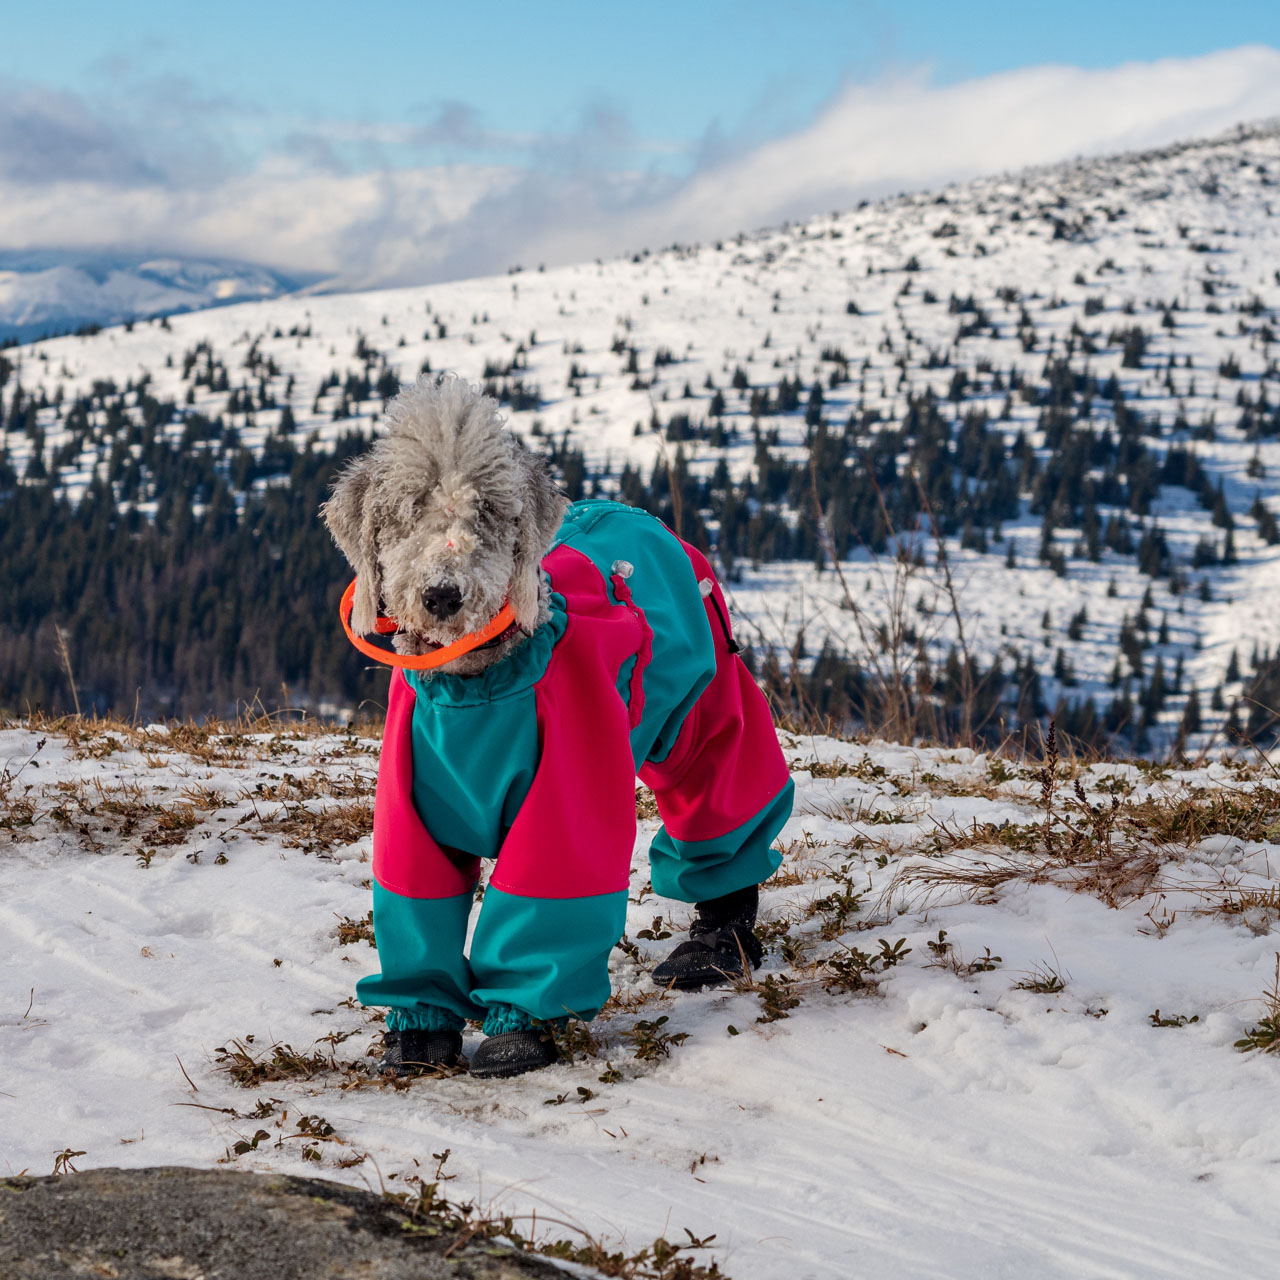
(442, 601)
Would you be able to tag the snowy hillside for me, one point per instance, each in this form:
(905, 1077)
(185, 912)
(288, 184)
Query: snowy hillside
(998, 1032)
(1070, 371)
(43, 293)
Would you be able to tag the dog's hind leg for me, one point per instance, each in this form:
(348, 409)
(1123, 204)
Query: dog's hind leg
(724, 792)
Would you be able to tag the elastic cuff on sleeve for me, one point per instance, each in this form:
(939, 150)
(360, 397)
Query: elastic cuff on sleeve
(502, 1018)
(424, 1017)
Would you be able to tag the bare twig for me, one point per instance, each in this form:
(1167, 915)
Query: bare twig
(186, 1077)
(66, 663)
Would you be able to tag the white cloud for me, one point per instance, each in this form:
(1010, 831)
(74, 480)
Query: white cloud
(398, 225)
(907, 134)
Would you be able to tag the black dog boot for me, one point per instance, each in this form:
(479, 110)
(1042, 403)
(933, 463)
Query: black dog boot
(412, 1052)
(720, 939)
(512, 1053)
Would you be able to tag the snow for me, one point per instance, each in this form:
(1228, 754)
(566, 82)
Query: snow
(947, 1124)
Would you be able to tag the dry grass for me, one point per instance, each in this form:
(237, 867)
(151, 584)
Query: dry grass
(132, 813)
(106, 814)
(629, 1000)
(129, 815)
(1113, 848)
(101, 814)
(866, 769)
(1251, 815)
(428, 1212)
(984, 786)
(646, 805)
(252, 736)
(201, 797)
(1044, 979)
(424, 1210)
(316, 785)
(248, 1066)
(350, 931)
(18, 803)
(800, 863)
(865, 810)
(319, 830)
(1238, 901)
(1006, 854)
(1265, 1035)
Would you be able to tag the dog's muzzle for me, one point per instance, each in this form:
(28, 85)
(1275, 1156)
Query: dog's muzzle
(498, 628)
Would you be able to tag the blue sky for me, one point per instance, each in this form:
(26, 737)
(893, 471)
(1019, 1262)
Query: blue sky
(677, 74)
(359, 112)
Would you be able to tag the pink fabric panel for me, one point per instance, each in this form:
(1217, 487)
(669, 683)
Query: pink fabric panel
(576, 828)
(406, 859)
(726, 764)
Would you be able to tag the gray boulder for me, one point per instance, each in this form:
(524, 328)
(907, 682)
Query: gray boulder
(215, 1224)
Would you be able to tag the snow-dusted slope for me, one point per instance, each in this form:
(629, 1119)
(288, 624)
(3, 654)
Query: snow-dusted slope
(1183, 244)
(1035, 1082)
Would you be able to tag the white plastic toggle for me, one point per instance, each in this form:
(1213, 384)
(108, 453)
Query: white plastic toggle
(623, 568)
(705, 587)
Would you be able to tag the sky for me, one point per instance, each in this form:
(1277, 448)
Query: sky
(410, 142)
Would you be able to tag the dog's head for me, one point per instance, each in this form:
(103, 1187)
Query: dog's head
(443, 518)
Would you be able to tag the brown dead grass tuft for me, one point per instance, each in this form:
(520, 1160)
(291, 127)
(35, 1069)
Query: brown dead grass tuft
(352, 930)
(248, 1066)
(646, 805)
(255, 735)
(319, 830)
(1113, 848)
(316, 785)
(18, 802)
(101, 814)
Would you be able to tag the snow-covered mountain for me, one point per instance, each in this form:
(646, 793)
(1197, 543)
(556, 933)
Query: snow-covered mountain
(56, 291)
(1075, 365)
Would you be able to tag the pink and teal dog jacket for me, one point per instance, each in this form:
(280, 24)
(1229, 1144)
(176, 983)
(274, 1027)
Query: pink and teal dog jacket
(533, 763)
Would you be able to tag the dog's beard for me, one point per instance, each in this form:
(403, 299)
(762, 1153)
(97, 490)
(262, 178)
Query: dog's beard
(427, 638)
(419, 635)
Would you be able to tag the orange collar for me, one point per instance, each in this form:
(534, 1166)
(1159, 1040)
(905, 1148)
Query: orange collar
(504, 618)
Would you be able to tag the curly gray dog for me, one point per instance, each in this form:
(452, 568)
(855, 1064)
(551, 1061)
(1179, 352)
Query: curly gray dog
(443, 519)
(548, 653)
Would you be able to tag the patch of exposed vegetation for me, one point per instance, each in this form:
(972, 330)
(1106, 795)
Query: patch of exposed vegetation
(322, 829)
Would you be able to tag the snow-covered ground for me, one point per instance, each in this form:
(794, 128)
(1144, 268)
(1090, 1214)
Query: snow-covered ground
(170, 898)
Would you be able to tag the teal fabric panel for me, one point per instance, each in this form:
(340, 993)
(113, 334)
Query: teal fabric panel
(547, 956)
(473, 765)
(665, 589)
(421, 945)
(475, 743)
(695, 870)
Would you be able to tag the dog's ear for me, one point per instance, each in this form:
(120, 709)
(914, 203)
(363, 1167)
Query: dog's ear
(350, 517)
(544, 507)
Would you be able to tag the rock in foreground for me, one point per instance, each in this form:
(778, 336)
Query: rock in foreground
(207, 1224)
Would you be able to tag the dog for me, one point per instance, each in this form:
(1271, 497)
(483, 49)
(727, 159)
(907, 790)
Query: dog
(548, 653)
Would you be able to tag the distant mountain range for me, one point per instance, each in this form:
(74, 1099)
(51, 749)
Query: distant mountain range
(45, 292)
